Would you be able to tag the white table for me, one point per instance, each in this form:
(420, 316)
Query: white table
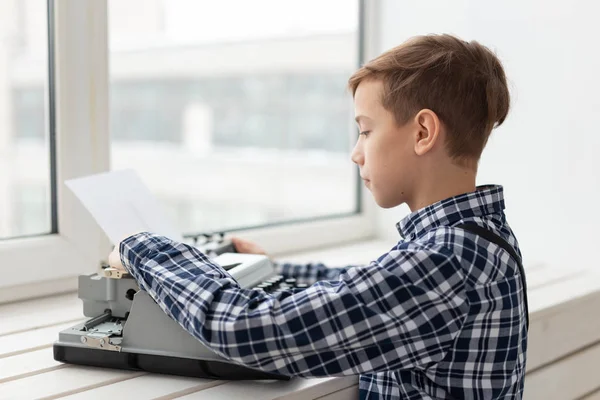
(563, 357)
(28, 369)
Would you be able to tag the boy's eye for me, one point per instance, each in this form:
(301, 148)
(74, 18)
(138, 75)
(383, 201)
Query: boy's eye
(364, 133)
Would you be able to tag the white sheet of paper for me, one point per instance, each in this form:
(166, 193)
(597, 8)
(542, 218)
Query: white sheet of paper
(122, 205)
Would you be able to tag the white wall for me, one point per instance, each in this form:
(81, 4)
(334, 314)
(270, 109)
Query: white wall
(545, 154)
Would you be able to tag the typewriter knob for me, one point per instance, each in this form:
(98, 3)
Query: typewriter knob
(130, 293)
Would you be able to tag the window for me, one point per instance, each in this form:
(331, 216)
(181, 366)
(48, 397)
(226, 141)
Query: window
(236, 117)
(25, 144)
(53, 83)
(257, 137)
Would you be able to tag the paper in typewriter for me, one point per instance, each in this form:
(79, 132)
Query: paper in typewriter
(121, 204)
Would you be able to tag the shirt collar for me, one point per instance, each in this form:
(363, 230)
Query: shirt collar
(485, 200)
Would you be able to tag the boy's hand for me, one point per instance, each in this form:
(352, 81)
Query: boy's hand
(246, 246)
(114, 259)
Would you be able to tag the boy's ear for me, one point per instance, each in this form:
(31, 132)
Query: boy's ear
(428, 131)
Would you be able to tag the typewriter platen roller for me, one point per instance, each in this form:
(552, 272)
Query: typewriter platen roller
(128, 330)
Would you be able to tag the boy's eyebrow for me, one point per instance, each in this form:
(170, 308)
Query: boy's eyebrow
(359, 117)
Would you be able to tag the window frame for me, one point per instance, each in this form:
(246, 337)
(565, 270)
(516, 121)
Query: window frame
(78, 77)
(79, 68)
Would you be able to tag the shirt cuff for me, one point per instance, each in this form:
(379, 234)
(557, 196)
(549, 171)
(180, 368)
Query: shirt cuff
(133, 249)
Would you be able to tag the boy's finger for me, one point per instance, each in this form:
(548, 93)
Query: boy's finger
(240, 244)
(237, 242)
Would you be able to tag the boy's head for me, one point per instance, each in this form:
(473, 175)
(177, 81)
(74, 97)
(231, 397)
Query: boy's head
(425, 110)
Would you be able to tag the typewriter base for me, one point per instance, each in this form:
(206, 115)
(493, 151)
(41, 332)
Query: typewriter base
(209, 369)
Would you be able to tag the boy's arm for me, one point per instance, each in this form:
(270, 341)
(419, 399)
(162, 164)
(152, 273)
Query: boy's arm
(304, 272)
(401, 311)
(309, 272)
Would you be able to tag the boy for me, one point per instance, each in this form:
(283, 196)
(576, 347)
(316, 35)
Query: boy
(443, 314)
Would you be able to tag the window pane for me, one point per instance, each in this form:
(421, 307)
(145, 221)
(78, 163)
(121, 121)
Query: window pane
(25, 206)
(235, 113)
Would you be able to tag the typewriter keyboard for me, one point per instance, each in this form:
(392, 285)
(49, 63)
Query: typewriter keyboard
(277, 284)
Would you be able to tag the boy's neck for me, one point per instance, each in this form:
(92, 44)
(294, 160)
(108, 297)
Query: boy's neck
(442, 184)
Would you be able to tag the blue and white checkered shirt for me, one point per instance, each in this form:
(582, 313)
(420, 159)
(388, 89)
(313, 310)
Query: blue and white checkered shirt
(439, 316)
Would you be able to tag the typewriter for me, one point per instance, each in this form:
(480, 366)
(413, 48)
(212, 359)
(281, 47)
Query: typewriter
(128, 330)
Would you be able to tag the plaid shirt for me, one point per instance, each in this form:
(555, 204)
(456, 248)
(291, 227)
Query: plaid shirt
(439, 316)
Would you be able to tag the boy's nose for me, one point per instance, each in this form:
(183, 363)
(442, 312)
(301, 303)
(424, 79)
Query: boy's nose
(357, 154)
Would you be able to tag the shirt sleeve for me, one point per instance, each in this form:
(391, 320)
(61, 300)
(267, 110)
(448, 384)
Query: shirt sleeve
(402, 310)
(309, 272)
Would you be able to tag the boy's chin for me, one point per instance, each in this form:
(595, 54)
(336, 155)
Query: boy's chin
(385, 202)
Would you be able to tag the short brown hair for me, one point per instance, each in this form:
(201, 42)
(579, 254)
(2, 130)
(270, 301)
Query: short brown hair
(462, 82)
